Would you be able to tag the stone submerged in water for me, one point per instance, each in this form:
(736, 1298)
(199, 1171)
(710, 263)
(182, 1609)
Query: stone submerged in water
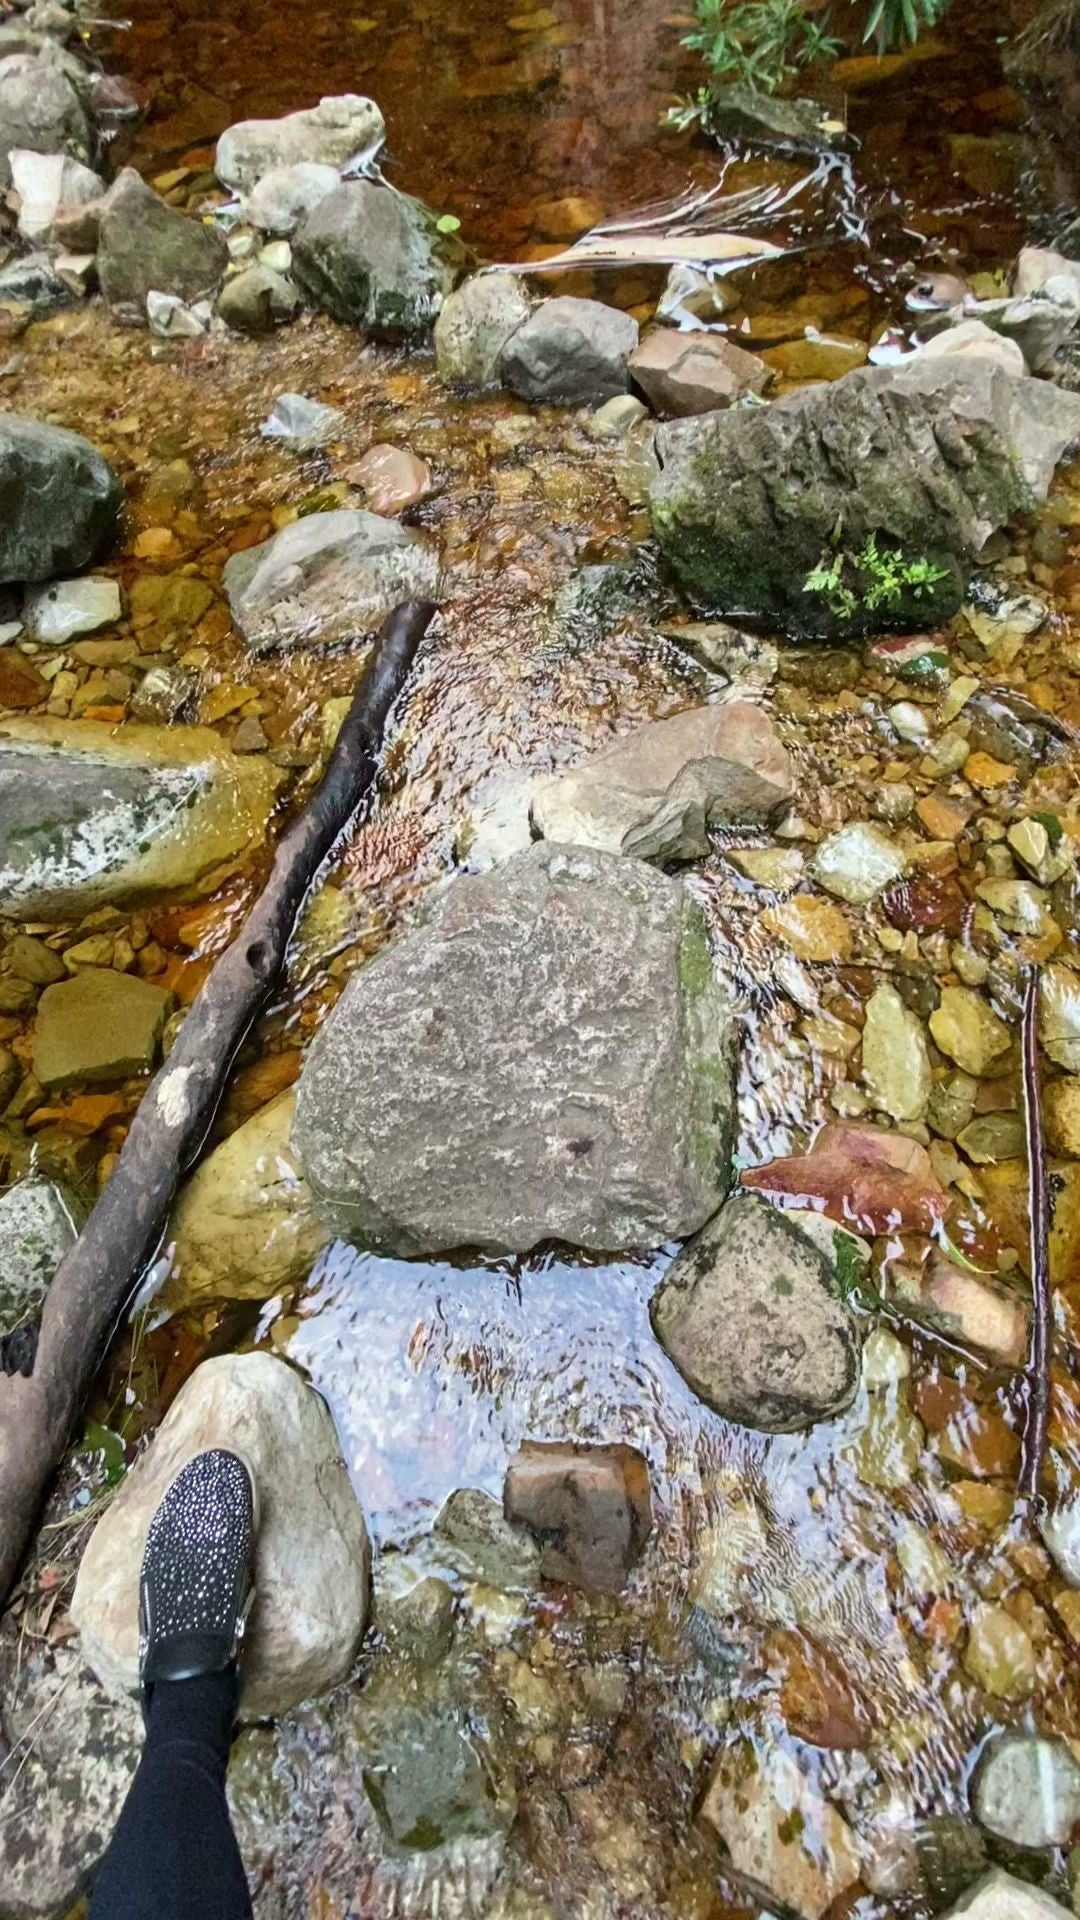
(655, 793)
(1027, 1791)
(40, 111)
(749, 1314)
(244, 1225)
(571, 353)
(427, 1779)
(62, 500)
(98, 1027)
(475, 323)
(92, 814)
(958, 448)
(476, 1531)
(312, 1563)
(588, 1505)
(146, 247)
(341, 128)
(779, 1830)
(39, 1221)
(375, 258)
(331, 576)
(549, 1057)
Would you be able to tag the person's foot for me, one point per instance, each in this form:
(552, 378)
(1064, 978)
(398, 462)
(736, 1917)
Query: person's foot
(196, 1584)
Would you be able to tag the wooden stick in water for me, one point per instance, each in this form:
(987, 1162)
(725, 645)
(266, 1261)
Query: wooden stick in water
(1033, 1455)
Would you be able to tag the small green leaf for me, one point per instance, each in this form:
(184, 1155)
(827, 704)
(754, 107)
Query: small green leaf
(1054, 831)
(448, 223)
(102, 1440)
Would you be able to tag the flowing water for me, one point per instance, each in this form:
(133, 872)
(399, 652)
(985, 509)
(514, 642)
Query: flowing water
(771, 1595)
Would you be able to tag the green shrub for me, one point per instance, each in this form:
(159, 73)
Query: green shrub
(874, 579)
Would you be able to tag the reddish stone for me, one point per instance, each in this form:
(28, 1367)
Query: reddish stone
(818, 1701)
(590, 1507)
(928, 901)
(21, 685)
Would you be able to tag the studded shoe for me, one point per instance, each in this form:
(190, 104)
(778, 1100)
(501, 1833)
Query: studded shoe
(196, 1587)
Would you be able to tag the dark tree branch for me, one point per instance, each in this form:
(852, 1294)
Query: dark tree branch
(1033, 1456)
(40, 1405)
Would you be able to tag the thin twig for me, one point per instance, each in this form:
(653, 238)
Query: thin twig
(1033, 1455)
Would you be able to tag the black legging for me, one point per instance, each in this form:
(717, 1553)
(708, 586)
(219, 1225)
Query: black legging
(174, 1854)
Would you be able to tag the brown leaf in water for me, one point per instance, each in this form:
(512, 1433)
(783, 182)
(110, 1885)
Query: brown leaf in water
(862, 1177)
(818, 1701)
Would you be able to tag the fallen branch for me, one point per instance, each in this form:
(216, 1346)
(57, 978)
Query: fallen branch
(1037, 1420)
(40, 1403)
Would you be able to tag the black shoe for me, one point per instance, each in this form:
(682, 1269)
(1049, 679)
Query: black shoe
(196, 1585)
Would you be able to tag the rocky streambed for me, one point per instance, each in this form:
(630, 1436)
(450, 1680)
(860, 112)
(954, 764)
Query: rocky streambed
(633, 1157)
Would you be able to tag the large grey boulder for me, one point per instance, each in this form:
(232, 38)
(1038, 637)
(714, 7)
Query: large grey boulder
(147, 247)
(40, 111)
(750, 1315)
(476, 322)
(39, 1221)
(312, 1561)
(74, 1753)
(655, 793)
(569, 352)
(341, 128)
(929, 458)
(92, 815)
(59, 500)
(330, 576)
(375, 258)
(548, 1058)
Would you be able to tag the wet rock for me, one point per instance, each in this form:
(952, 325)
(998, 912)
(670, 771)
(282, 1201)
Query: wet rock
(1059, 1015)
(61, 612)
(952, 1855)
(420, 1621)
(1000, 1897)
(97, 1027)
(618, 417)
(695, 293)
(312, 1565)
(302, 423)
(589, 1507)
(375, 258)
(964, 436)
(744, 114)
(45, 182)
(244, 1225)
(92, 814)
(145, 247)
(429, 1780)
(858, 862)
(548, 1057)
(474, 326)
(39, 1221)
(999, 1654)
(340, 129)
(393, 478)
(172, 319)
(32, 960)
(162, 694)
(778, 1830)
(34, 285)
(257, 300)
(283, 198)
(330, 576)
(569, 353)
(40, 112)
(61, 498)
(965, 1028)
(1038, 266)
(495, 1551)
(1018, 904)
(1037, 323)
(973, 339)
(895, 1059)
(889, 1443)
(77, 1753)
(682, 373)
(749, 1314)
(1061, 1115)
(655, 793)
(1027, 1791)
(778, 868)
(1060, 1529)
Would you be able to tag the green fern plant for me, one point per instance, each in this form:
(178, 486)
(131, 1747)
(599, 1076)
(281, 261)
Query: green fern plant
(883, 578)
(759, 43)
